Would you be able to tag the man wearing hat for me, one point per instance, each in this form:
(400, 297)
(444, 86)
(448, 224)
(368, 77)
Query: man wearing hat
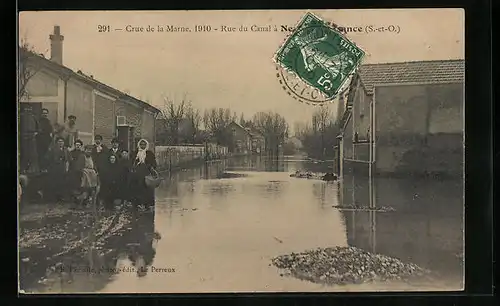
(28, 129)
(115, 148)
(70, 132)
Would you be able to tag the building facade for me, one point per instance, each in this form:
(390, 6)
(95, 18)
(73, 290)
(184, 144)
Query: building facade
(245, 140)
(405, 118)
(100, 109)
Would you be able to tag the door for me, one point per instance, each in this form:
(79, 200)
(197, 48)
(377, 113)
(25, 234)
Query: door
(123, 137)
(126, 137)
(52, 107)
(131, 139)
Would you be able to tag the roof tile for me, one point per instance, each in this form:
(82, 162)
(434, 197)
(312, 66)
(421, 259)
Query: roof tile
(436, 72)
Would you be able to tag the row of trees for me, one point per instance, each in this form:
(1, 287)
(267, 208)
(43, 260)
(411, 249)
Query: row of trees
(182, 123)
(319, 136)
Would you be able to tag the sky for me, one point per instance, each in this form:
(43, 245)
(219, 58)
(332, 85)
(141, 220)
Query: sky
(229, 69)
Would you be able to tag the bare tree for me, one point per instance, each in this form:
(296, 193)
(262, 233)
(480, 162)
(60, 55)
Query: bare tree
(173, 113)
(242, 119)
(194, 118)
(274, 128)
(216, 121)
(319, 136)
(28, 66)
(322, 119)
(302, 130)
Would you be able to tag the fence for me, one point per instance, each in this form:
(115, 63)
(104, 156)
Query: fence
(169, 157)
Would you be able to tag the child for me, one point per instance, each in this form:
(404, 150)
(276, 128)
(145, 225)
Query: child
(111, 177)
(89, 178)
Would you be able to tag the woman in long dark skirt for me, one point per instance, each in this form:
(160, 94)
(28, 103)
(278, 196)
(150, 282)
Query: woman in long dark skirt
(125, 165)
(75, 175)
(111, 177)
(58, 166)
(143, 163)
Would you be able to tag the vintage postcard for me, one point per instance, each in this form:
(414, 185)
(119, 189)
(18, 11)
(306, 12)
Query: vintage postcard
(241, 151)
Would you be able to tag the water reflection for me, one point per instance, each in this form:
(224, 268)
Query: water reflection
(141, 250)
(219, 233)
(103, 254)
(426, 227)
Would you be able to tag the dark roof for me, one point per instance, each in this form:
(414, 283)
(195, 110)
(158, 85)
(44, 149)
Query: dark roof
(252, 132)
(255, 133)
(428, 72)
(67, 72)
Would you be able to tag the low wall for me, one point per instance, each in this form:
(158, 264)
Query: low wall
(169, 157)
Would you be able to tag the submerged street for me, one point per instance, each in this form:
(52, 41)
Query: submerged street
(216, 228)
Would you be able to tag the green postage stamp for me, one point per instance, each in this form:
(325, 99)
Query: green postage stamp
(319, 55)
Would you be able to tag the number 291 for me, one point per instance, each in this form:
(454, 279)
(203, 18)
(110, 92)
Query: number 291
(103, 28)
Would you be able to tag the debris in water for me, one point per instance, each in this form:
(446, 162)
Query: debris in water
(358, 207)
(277, 239)
(345, 265)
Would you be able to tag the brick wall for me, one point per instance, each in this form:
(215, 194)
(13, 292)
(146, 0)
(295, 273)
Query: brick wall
(142, 121)
(104, 123)
(133, 114)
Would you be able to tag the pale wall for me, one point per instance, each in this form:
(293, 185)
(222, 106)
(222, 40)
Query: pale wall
(361, 113)
(419, 128)
(47, 88)
(79, 103)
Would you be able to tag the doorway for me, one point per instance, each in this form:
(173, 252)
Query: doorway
(126, 137)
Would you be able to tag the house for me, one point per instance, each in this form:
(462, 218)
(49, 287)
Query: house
(99, 108)
(413, 112)
(246, 140)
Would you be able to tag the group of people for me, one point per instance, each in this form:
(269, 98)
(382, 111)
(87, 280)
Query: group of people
(110, 174)
(38, 135)
(85, 173)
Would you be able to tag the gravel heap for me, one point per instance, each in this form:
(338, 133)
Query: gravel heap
(345, 265)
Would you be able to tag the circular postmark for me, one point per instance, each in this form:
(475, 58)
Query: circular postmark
(313, 50)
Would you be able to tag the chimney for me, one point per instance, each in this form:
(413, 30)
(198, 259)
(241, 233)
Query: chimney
(56, 46)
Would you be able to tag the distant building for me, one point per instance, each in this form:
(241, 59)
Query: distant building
(99, 108)
(246, 140)
(413, 111)
(185, 131)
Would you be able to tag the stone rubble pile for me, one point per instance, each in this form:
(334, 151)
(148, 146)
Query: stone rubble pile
(346, 265)
(360, 207)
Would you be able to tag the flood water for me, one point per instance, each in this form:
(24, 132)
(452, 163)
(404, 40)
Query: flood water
(218, 226)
